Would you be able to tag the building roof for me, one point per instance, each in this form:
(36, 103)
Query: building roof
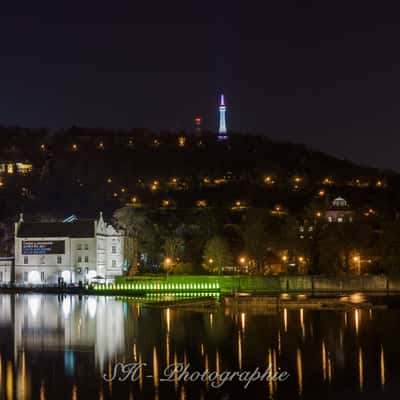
(76, 229)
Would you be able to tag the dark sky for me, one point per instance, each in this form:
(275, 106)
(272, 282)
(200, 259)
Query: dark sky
(326, 73)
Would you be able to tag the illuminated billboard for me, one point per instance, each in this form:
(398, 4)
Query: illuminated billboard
(43, 247)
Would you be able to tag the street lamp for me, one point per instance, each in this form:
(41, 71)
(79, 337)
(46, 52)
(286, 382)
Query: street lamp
(357, 262)
(167, 263)
(242, 262)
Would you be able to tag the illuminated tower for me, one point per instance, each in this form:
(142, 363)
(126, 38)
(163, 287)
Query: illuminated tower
(222, 119)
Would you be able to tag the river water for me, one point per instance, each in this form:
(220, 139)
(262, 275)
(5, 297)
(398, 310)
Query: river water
(55, 347)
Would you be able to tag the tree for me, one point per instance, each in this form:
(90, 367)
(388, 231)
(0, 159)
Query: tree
(339, 241)
(137, 231)
(173, 248)
(217, 255)
(255, 242)
(390, 248)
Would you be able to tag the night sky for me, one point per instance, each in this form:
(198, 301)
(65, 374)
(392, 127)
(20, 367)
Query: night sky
(326, 73)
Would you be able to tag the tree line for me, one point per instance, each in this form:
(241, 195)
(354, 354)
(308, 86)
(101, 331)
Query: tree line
(256, 242)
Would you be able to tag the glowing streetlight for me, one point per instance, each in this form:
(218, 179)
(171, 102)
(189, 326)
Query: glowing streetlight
(357, 262)
(168, 261)
(238, 204)
(268, 180)
(242, 260)
(181, 141)
(210, 260)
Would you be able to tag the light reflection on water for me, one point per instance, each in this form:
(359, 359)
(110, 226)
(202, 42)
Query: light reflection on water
(53, 347)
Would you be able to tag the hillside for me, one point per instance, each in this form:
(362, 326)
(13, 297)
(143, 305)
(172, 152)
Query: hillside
(84, 170)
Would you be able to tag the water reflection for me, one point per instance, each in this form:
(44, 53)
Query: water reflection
(59, 347)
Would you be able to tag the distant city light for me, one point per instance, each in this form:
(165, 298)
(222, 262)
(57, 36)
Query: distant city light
(181, 141)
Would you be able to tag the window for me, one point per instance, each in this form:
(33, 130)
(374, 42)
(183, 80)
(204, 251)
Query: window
(114, 249)
(59, 259)
(79, 246)
(86, 259)
(340, 219)
(86, 246)
(79, 259)
(25, 259)
(1, 276)
(42, 276)
(25, 276)
(114, 264)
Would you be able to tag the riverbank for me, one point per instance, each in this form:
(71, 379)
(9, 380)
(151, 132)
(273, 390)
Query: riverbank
(196, 285)
(256, 303)
(238, 302)
(230, 284)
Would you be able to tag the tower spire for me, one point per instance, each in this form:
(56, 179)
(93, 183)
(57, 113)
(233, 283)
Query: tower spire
(222, 131)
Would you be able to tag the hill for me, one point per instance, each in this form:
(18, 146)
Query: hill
(83, 170)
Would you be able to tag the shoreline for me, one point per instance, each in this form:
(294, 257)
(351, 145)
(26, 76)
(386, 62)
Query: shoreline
(237, 302)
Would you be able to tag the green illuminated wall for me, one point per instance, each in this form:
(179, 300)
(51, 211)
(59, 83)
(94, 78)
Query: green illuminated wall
(224, 283)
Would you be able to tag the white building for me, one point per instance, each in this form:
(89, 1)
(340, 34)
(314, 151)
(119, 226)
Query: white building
(51, 252)
(6, 266)
(339, 211)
